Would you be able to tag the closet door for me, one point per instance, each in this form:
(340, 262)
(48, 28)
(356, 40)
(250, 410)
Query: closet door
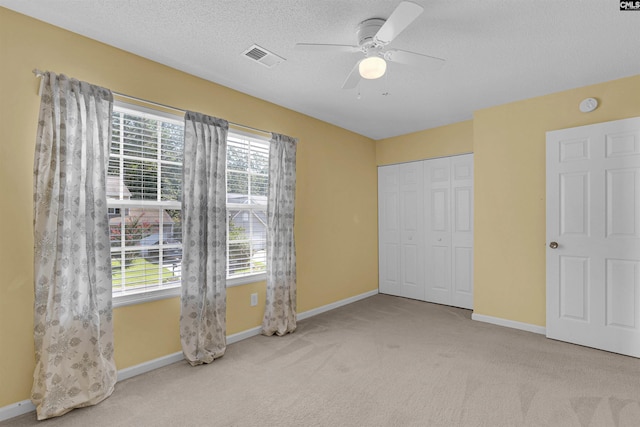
(389, 230)
(400, 230)
(437, 209)
(448, 218)
(462, 231)
(411, 231)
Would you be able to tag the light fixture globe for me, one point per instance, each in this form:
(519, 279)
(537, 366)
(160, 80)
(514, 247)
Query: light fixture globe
(372, 67)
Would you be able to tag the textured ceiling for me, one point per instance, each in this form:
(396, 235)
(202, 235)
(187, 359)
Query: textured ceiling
(497, 51)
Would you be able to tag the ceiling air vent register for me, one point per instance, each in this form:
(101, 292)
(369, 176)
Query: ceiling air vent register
(262, 56)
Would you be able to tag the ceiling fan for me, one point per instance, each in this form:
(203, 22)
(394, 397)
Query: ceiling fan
(373, 37)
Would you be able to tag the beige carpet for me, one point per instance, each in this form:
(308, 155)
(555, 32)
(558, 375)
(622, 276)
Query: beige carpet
(383, 361)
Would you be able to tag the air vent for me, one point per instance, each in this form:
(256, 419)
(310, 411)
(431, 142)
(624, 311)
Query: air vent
(262, 56)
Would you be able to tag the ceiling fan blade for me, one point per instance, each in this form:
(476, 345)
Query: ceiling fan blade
(425, 62)
(405, 14)
(353, 78)
(327, 47)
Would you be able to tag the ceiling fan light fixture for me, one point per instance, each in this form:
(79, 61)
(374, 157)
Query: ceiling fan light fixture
(372, 67)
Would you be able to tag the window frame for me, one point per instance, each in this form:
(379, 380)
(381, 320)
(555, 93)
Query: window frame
(148, 295)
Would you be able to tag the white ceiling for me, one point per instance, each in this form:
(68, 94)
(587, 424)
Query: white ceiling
(497, 51)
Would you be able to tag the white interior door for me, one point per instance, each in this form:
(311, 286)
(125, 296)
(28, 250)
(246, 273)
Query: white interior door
(593, 236)
(389, 230)
(448, 213)
(411, 234)
(400, 229)
(437, 214)
(462, 231)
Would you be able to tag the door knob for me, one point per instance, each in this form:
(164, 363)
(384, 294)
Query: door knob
(553, 245)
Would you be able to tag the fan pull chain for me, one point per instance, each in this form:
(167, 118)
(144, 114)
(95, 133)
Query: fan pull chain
(386, 85)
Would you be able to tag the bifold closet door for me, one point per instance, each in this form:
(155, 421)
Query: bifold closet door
(401, 235)
(389, 229)
(462, 231)
(437, 215)
(411, 231)
(425, 214)
(448, 215)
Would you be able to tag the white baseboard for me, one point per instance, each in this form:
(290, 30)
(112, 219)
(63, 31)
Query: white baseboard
(150, 365)
(510, 323)
(244, 335)
(16, 409)
(20, 408)
(334, 305)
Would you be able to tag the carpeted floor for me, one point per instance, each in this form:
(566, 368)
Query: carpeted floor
(382, 361)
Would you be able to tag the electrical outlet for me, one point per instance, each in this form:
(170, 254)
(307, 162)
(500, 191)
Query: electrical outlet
(254, 300)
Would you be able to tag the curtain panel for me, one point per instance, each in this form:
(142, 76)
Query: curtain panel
(204, 239)
(280, 303)
(73, 329)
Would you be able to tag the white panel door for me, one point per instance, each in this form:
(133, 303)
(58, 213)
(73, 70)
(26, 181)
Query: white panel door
(593, 236)
(400, 228)
(448, 214)
(411, 230)
(462, 231)
(437, 214)
(389, 229)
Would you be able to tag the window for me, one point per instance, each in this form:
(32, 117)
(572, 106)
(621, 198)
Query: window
(144, 189)
(247, 180)
(144, 201)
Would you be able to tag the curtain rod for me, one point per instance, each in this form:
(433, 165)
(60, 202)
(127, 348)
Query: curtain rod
(39, 74)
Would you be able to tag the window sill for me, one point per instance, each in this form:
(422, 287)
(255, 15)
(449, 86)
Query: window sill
(244, 280)
(159, 294)
(145, 296)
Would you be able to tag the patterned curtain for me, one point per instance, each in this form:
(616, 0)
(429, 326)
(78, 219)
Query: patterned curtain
(280, 304)
(72, 267)
(204, 239)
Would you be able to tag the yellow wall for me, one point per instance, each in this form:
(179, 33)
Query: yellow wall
(509, 147)
(336, 219)
(427, 144)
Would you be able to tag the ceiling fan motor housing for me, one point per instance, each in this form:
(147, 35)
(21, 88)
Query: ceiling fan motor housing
(367, 30)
